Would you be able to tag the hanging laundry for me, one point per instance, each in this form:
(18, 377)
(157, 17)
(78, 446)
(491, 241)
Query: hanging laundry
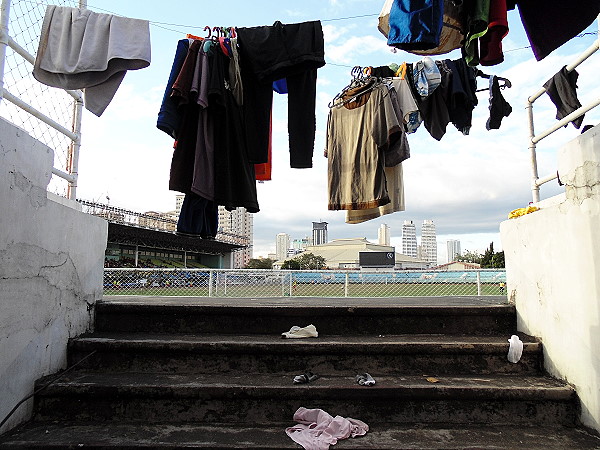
(434, 108)
(210, 159)
(426, 76)
(451, 34)
(198, 217)
(477, 13)
(408, 109)
(499, 107)
(562, 90)
(268, 54)
(490, 51)
(169, 119)
(415, 25)
(394, 177)
(395, 151)
(551, 23)
(235, 75)
(461, 95)
(358, 130)
(82, 49)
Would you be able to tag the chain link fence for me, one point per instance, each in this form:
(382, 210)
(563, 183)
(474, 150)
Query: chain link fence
(24, 27)
(291, 283)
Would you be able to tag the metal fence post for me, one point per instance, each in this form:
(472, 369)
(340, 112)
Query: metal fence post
(346, 282)
(4, 18)
(478, 283)
(74, 149)
(210, 283)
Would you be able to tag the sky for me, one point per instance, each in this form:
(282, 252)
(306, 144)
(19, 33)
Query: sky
(466, 184)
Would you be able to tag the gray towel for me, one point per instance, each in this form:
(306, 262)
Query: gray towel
(82, 49)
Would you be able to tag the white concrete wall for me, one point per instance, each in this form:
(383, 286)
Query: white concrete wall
(553, 273)
(51, 266)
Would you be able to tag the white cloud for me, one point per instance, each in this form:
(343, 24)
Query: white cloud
(355, 49)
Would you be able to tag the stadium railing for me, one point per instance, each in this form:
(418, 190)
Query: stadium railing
(302, 283)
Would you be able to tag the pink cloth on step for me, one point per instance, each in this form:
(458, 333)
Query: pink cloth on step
(317, 430)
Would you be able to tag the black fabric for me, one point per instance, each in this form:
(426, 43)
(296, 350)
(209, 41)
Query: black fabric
(382, 72)
(499, 107)
(551, 23)
(562, 89)
(198, 217)
(434, 107)
(269, 53)
(235, 182)
(183, 161)
(234, 177)
(461, 95)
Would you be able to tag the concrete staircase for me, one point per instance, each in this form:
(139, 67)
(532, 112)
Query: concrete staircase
(215, 373)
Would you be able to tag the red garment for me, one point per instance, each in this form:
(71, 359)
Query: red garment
(490, 44)
(263, 171)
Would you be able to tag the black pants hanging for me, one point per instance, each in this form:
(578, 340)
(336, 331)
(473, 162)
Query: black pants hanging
(294, 52)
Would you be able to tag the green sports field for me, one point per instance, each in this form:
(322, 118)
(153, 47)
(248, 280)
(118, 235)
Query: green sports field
(316, 290)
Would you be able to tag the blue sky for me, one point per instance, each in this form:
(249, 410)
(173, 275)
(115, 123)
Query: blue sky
(466, 184)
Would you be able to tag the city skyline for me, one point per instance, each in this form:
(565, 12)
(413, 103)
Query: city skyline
(428, 227)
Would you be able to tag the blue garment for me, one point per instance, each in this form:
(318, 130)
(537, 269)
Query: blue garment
(427, 76)
(280, 86)
(198, 216)
(416, 24)
(168, 116)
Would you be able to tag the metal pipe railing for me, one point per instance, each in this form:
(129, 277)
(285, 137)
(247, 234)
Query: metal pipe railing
(75, 133)
(536, 181)
(4, 18)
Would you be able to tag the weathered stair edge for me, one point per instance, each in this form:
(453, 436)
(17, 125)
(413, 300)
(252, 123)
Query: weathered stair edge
(333, 320)
(385, 355)
(130, 436)
(268, 399)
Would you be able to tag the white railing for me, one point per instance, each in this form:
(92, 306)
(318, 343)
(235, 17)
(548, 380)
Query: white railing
(536, 181)
(250, 283)
(30, 99)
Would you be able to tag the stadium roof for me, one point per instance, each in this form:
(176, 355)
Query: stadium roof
(130, 235)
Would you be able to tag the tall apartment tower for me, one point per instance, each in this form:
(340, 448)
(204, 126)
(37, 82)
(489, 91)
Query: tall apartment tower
(178, 202)
(282, 244)
(241, 223)
(429, 242)
(453, 248)
(409, 239)
(383, 235)
(319, 233)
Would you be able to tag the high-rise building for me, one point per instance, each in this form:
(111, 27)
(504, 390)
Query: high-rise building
(299, 245)
(178, 202)
(429, 242)
(409, 239)
(383, 235)
(319, 233)
(282, 244)
(453, 247)
(241, 223)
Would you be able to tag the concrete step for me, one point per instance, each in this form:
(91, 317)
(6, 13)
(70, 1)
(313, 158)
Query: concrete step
(325, 355)
(125, 436)
(264, 399)
(331, 316)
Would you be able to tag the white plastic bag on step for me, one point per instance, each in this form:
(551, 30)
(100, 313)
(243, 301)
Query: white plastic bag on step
(515, 350)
